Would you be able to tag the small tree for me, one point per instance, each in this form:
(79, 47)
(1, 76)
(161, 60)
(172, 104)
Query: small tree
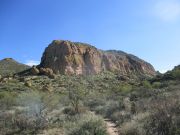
(77, 92)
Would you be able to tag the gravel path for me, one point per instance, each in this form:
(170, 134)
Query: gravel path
(111, 127)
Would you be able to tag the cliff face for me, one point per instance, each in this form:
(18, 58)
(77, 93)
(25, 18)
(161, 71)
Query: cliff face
(67, 57)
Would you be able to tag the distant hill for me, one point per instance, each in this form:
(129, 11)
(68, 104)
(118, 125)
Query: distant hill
(173, 74)
(9, 66)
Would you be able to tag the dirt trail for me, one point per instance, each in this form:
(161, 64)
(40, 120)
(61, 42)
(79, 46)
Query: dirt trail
(111, 127)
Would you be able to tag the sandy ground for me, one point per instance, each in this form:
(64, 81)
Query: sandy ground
(111, 127)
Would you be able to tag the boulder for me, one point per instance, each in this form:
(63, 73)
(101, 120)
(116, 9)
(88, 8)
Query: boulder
(4, 80)
(34, 70)
(28, 83)
(47, 88)
(48, 72)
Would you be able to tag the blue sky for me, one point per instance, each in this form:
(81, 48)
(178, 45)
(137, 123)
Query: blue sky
(149, 29)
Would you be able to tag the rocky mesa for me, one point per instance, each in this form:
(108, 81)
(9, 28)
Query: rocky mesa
(66, 57)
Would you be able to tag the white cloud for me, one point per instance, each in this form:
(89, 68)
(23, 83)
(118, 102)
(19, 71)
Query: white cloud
(32, 62)
(167, 10)
(163, 71)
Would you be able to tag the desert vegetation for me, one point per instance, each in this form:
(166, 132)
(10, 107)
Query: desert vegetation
(78, 105)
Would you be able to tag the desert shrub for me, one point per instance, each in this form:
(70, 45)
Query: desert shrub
(58, 121)
(131, 128)
(117, 117)
(16, 121)
(111, 107)
(135, 125)
(142, 93)
(126, 88)
(7, 123)
(31, 123)
(69, 111)
(87, 124)
(176, 74)
(94, 102)
(120, 88)
(38, 103)
(36, 107)
(133, 108)
(112, 110)
(100, 110)
(7, 99)
(157, 85)
(132, 131)
(146, 84)
(120, 117)
(164, 120)
(108, 109)
(172, 75)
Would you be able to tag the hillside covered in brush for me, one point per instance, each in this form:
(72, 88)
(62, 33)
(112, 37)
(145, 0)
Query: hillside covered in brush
(9, 66)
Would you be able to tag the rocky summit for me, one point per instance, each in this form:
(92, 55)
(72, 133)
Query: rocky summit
(66, 57)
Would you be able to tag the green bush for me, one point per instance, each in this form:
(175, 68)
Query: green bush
(156, 85)
(7, 99)
(69, 111)
(111, 107)
(146, 84)
(38, 102)
(120, 88)
(94, 102)
(126, 88)
(164, 120)
(172, 75)
(100, 110)
(120, 117)
(87, 124)
(176, 74)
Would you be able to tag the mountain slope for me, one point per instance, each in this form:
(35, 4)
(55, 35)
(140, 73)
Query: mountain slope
(9, 66)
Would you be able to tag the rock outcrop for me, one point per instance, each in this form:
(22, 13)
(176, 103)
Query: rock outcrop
(41, 71)
(34, 71)
(67, 57)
